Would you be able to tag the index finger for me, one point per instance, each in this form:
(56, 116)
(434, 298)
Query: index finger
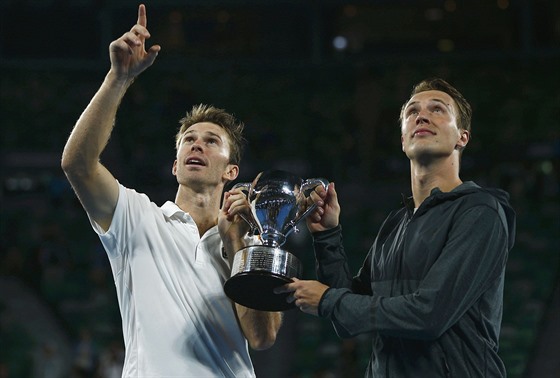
(142, 19)
(283, 289)
(321, 191)
(238, 191)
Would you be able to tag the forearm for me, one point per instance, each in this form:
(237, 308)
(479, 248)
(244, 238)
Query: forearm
(332, 266)
(93, 129)
(259, 327)
(350, 314)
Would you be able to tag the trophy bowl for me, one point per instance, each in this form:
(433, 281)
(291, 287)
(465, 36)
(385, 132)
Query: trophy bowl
(278, 201)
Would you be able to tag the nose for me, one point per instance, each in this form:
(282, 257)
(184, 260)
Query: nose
(196, 145)
(421, 117)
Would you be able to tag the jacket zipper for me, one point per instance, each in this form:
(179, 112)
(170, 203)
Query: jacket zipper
(402, 231)
(446, 367)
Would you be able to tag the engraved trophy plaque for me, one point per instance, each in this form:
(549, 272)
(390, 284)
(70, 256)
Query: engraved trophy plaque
(278, 203)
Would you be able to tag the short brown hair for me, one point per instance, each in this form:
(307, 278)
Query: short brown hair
(436, 84)
(208, 113)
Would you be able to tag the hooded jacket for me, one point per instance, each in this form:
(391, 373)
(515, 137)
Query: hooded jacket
(430, 290)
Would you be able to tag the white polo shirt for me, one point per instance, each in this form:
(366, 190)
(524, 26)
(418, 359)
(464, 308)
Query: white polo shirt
(177, 321)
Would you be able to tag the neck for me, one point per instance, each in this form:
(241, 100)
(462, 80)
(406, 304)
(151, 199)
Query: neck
(441, 174)
(202, 206)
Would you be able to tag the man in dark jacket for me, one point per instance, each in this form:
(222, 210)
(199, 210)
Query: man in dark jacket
(430, 290)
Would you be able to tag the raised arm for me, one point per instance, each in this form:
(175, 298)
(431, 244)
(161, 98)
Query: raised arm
(259, 327)
(94, 185)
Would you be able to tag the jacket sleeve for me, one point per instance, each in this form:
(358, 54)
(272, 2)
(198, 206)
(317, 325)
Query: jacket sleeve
(472, 260)
(332, 263)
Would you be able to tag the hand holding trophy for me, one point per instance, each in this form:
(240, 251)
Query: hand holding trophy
(278, 201)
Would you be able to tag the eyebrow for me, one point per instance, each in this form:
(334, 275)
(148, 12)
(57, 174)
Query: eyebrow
(206, 133)
(448, 106)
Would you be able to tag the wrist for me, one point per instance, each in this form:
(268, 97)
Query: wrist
(326, 232)
(114, 79)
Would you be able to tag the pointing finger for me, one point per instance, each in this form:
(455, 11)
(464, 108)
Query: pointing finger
(142, 19)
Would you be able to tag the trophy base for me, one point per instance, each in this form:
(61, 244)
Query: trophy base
(255, 290)
(256, 271)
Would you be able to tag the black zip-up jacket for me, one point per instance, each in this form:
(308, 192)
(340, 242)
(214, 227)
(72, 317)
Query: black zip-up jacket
(430, 290)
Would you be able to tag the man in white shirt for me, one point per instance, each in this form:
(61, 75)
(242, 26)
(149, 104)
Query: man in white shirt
(167, 262)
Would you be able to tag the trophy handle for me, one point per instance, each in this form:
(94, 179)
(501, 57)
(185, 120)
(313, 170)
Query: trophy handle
(307, 185)
(246, 186)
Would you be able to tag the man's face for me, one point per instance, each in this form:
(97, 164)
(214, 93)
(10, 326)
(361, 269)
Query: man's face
(429, 126)
(203, 156)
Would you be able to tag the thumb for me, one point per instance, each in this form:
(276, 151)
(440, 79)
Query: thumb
(331, 192)
(223, 209)
(152, 54)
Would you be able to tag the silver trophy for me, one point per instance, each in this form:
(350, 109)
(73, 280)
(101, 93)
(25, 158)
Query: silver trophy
(278, 202)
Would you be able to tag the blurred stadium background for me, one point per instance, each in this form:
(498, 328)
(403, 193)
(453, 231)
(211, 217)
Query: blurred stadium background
(319, 85)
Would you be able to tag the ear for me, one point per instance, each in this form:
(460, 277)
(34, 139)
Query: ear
(464, 137)
(231, 173)
(174, 168)
(402, 142)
